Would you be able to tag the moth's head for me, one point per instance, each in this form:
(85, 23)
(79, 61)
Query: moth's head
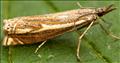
(7, 25)
(104, 10)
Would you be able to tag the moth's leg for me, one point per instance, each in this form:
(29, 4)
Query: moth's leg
(79, 5)
(108, 32)
(10, 55)
(5, 40)
(108, 23)
(18, 41)
(13, 31)
(8, 41)
(40, 46)
(78, 46)
(82, 6)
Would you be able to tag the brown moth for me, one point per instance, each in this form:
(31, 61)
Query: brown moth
(34, 29)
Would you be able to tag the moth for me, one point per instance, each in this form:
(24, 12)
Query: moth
(39, 28)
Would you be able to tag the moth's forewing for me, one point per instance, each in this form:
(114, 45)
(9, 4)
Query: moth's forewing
(33, 29)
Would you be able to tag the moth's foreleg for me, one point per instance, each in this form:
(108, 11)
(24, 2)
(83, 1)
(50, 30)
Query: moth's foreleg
(5, 43)
(81, 36)
(5, 40)
(11, 41)
(10, 55)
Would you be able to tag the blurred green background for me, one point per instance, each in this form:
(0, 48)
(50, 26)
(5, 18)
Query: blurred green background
(97, 48)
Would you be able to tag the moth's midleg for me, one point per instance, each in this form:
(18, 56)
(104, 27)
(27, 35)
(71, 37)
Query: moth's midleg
(40, 46)
(79, 40)
(107, 31)
(78, 46)
(108, 23)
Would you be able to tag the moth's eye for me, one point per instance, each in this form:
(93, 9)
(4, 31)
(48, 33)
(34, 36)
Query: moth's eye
(100, 10)
(7, 27)
(8, 24)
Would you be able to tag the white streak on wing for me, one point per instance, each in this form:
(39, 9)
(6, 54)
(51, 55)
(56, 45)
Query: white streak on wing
(24, 30)
(47, 27)
(63, 16)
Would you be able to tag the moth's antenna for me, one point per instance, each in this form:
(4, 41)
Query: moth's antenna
(110, 6)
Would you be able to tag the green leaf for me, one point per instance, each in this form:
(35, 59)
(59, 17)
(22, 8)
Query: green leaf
(97, 47)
